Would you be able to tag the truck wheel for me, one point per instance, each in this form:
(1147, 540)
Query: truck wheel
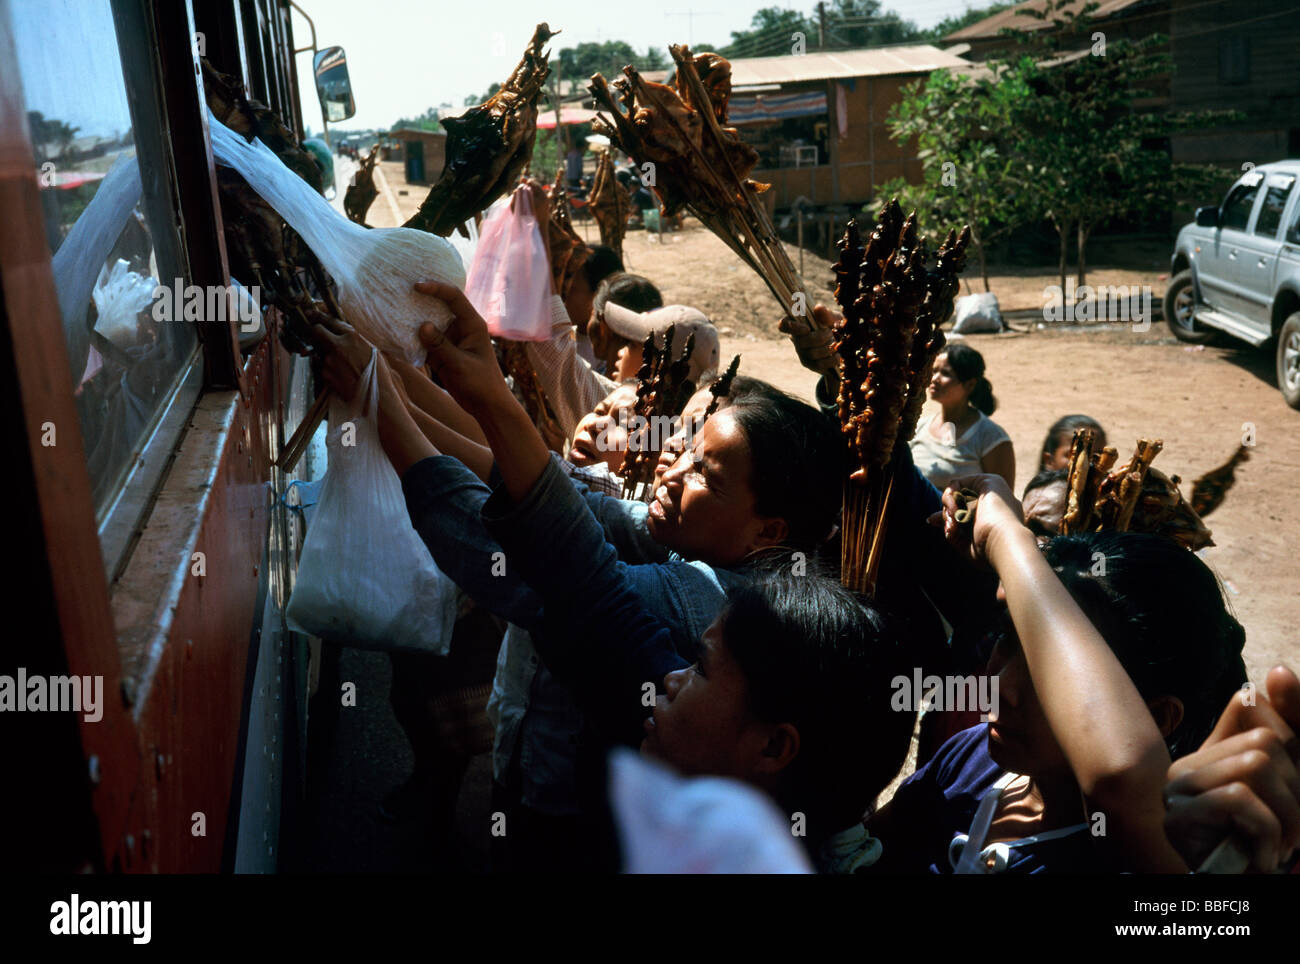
(1288, 360)
(1180, 310)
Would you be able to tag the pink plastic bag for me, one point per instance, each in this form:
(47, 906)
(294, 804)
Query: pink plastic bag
(510, 278)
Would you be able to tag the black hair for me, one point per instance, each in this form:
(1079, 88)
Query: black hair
(796, 463)
(819, 657)
(630, 291)
(1161, 610)
(602, 261)
(1045, 478)
(1063, 430)
(968, 364)
(743, 386)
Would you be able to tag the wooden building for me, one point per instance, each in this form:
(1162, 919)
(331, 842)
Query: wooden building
(1227, 55)
(818, 120)
(422, 153)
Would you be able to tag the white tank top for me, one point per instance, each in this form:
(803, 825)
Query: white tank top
(942, 460)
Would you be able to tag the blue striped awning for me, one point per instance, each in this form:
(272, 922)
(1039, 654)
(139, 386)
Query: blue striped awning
(768, 107)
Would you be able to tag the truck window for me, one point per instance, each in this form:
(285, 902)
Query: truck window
(110, 223)
(1274, 206)
(1237, 208)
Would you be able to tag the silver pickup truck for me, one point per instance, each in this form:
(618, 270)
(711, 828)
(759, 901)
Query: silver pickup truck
(1237, 270)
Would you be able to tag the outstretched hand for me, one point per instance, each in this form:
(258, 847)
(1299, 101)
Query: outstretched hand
(812, 340)
(463, 357)
(344, 353)
(996, 511)
(1243, 782)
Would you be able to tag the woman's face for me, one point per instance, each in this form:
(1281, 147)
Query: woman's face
(945, 387)
(601, 436)
(704, 504)
(675, 444)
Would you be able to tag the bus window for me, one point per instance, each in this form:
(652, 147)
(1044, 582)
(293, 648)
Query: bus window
(110, 226)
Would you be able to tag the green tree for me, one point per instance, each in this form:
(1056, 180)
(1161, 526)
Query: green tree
(608, 58)
(1092, 156)
(428, 121)
(969, 176)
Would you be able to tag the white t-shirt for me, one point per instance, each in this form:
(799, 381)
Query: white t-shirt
(942, 460)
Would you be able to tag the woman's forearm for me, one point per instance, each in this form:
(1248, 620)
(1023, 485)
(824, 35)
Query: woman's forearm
(438, 403)
(1099, 719)
(476, 457)
(520, 453)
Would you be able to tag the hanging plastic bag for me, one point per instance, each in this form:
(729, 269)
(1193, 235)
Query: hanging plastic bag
(510, 277)
(375, 269)
(365, 577)
(120, 295)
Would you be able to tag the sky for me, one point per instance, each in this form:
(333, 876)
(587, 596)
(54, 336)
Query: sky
(408, 55)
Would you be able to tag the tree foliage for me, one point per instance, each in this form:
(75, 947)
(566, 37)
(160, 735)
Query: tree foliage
(1053, 133)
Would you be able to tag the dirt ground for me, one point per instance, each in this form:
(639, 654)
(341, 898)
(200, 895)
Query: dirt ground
(1135, 384)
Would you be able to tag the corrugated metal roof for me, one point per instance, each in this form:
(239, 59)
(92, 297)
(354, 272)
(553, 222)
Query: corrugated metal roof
(836, 64)
(1017, 18)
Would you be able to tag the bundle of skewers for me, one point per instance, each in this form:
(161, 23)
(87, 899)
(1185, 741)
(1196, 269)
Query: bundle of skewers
(721, 388)
(893, 306)
(489, 146)
(662, 391)
(361, 193)
(610, 205)
(568, 251)
(1132, 497)
(699, 163)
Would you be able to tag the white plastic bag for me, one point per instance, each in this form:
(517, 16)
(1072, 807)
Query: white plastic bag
(365, 577)
(375, 269)
(510, 278)
(977, 314)
(120, 295)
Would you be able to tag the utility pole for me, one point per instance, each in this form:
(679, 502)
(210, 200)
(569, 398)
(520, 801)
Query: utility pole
(821, 25)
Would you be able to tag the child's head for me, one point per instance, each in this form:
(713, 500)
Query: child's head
(1060, 439)
(630, 291)
(1043, 502)
(1160, 609)
(792, 693)
(601, 435)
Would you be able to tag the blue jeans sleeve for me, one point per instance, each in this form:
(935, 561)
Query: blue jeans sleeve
(595, 632)
(444, 500)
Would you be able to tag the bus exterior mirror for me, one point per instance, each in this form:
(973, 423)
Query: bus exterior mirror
(333, 85)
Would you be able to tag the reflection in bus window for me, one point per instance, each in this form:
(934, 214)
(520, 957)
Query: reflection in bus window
(105, 247)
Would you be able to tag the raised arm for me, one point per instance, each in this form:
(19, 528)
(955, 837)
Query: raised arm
(1099, 719)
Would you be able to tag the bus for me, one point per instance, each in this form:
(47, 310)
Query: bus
(154, 704)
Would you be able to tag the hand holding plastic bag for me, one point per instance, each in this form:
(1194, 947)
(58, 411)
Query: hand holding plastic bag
(365, 577)
(510, 278)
